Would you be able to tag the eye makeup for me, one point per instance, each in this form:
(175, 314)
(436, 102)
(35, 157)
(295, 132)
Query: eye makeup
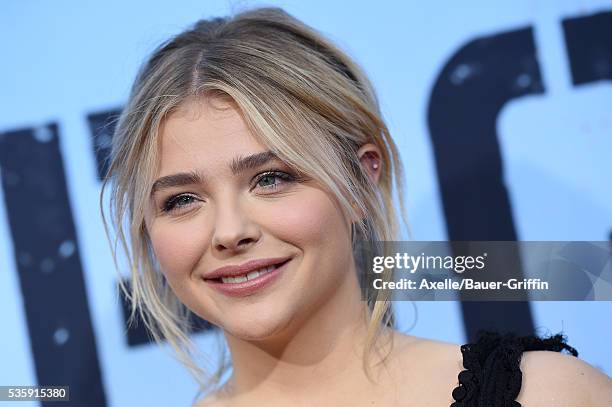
(263, 184)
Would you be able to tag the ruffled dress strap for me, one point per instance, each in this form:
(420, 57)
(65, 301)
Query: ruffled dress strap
(492, 375)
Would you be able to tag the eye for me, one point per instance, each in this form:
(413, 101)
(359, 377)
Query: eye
(269, 180)
(178, 202)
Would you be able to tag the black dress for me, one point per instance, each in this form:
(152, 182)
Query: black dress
(492, 375)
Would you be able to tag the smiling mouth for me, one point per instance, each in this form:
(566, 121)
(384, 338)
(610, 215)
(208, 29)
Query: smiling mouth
(252, 275)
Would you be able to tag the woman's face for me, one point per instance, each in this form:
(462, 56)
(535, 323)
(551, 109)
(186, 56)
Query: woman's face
(229, 217)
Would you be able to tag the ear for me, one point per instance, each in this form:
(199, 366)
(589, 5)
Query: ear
(370, 158)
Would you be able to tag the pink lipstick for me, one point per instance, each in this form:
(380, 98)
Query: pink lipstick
(248, 279)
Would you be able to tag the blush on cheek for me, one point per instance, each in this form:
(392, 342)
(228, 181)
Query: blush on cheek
(178, 251)
(308, 219)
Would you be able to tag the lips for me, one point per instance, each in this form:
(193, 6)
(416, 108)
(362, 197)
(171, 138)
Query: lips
(247, 287)
(245, 268)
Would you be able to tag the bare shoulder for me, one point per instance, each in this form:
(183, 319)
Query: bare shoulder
(553, 378)
(549, 378)
(432, 349)
(430, 366)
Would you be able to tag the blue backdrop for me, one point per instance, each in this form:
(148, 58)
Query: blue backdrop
(501, 111)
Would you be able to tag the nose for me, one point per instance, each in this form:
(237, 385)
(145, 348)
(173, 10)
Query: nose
(234, 230)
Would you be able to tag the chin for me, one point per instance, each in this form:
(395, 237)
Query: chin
(256, 329)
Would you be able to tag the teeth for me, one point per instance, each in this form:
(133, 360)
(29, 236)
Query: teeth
(252, 275)
(249, 276)
(240, 279)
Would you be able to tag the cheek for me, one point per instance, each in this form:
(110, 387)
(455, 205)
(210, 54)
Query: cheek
(178, 248)
(310, 218)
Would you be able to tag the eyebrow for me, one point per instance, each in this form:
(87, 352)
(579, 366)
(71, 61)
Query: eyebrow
(237, 166)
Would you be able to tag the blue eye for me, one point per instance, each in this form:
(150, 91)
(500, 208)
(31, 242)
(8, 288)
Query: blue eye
(177, 202)
(266, 180)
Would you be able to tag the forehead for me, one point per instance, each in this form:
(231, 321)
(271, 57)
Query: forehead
(202, 133)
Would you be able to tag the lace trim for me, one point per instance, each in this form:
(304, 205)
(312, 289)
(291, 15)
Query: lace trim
(492, 375)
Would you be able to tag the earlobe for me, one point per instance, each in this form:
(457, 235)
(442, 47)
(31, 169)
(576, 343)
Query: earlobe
(370, 159)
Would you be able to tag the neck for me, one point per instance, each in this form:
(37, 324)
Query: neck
(320, 353)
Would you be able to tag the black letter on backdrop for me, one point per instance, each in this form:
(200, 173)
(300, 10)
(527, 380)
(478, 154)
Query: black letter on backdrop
(477, 81)
(49, 265)
(589, 47)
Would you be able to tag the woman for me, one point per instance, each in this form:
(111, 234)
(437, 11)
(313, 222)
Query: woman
(249, 160)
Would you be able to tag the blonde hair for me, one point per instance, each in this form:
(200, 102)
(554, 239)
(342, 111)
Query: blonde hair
(288, 82)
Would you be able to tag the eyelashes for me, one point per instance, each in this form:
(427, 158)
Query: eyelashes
(263, 181)
(174, 202)
(271, 175)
